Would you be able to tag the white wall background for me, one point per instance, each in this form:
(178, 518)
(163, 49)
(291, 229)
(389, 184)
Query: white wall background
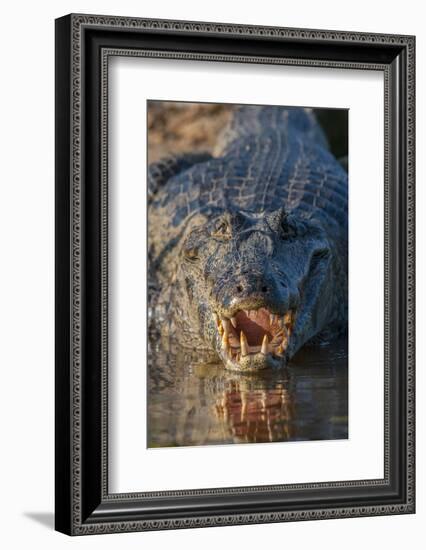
(26, 289)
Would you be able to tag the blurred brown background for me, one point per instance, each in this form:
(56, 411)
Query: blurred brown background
(175, 127)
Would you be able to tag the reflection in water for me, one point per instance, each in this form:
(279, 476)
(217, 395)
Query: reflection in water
(202, 404)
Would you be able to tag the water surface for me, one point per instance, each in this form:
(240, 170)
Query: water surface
(192, 403)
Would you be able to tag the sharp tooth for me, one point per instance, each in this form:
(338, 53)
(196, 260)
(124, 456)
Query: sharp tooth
(225, 343)
(243, 344)
(279, 335)
(226, 325)
(271, 319)
(286, 332)
(265, 345)
(234, 322)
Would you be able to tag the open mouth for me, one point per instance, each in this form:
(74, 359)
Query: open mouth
(254, 339)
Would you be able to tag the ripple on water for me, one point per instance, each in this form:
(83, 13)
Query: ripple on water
(202, 404)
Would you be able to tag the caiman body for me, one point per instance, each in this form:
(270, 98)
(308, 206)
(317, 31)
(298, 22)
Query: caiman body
(248, 248)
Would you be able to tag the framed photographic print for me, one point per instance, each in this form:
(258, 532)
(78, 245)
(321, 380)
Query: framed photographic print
(234, 274)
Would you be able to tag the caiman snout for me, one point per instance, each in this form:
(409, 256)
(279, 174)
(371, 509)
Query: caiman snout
(246, 288)
(254, 339)
(250, 292)
(255, 322)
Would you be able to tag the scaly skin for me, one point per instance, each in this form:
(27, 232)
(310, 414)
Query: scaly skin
(248, 249)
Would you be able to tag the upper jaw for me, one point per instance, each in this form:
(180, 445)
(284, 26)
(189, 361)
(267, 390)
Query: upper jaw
(253, 302)
(253, 339)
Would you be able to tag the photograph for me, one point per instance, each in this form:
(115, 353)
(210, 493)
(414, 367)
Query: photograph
(247, 273)
(235, 273)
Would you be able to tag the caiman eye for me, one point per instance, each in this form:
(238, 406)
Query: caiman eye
(320, 254)
(221, 230)
(191, 254)
(287, 229)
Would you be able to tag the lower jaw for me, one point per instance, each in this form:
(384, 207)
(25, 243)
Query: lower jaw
(254, 362)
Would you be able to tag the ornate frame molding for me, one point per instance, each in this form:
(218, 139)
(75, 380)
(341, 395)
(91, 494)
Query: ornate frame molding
(72, 47)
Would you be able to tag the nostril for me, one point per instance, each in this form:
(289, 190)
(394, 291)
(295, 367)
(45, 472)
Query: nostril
(264, 289)
(239, 288)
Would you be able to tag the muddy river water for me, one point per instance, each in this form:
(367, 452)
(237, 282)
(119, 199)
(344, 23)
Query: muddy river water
(193, 403)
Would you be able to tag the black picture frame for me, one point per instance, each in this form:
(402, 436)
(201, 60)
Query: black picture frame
(83, 45)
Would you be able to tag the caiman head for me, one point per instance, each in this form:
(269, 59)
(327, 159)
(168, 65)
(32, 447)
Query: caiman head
(256, 286)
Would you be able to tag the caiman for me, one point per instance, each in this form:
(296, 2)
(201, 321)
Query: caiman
(247, 247)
